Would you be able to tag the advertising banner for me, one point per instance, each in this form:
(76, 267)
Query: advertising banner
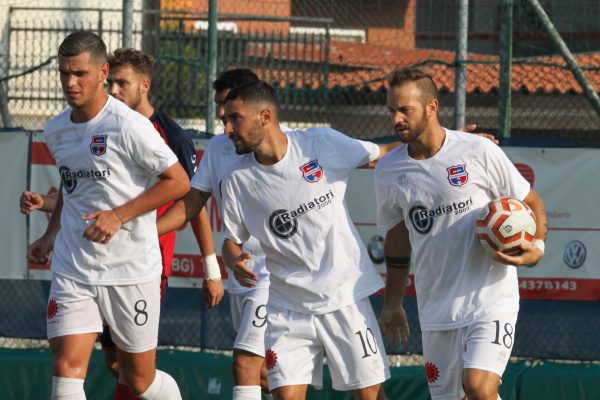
(566, 179)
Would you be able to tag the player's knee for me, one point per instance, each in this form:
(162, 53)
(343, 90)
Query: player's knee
(246, 368)
(68, 367)
(480, 389)
(112, 365)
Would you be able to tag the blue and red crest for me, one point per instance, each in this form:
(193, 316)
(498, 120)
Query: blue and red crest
(312, 171)
(458, 175)
(98, 145)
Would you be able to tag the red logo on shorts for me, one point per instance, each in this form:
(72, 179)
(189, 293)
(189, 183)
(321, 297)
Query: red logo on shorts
(271, 358)
(432, 372)
(52, 308)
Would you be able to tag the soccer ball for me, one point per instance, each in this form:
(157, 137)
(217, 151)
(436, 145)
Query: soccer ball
(504, 224)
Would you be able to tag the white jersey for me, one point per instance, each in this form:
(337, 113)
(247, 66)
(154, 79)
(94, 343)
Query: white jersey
(216, 161)
(440, 199)
(296, 209)
(104, 163)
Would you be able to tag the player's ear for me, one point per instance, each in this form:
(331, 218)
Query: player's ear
(145, 84)
(432, 107)
(266, 116)
(104, 69)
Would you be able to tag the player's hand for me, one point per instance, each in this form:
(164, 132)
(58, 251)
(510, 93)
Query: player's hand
(394, 324)
(30, 201)
(244, 275)
(39, 252)
(528, 256)
(470, 128)
(105, 226)
(212, 291)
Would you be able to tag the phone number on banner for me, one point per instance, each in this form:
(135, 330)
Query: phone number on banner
(560, 289)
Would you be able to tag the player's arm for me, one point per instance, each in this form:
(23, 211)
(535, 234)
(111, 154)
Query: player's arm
(40, 250)
(184, 210)
(387, 147)
(397, 250)
(470, 128)
(31, 201)
(237, 260)
(173, 183)
(212, 286)
(532, 254)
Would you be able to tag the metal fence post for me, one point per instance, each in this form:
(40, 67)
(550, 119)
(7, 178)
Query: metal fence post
(567, 55)
(505, 92)
(127, 23)
(460, 79)
(211, 66)
(4, 111)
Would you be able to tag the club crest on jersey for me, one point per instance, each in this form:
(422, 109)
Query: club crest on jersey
(98, 145)
(312, 171)
(458, 175)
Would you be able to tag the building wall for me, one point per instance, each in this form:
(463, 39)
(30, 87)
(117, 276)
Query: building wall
(46, 29)
(264, 8)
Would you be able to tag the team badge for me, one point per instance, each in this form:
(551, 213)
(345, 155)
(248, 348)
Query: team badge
(312, 171)
(432, 372)
(52, 309)
(270, 358)
(458, 175)
(98, 145)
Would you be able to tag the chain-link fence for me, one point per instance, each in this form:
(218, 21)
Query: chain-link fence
(329, 61)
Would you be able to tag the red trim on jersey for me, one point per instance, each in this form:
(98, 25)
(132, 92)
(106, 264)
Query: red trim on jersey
(160, 130)
(166, 243)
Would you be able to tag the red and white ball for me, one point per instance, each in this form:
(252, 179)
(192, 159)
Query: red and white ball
(504, 224)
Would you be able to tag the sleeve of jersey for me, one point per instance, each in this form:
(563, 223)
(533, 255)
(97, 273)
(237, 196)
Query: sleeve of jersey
(235, 229)
(147, 148)
(503, 175)
(354, 152)
(389, 214)
(201, 179)
(183, 147)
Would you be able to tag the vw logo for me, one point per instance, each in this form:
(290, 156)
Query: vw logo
(422, 224)
(69, 182)
(574, 254)
(375, 248)
(282, 225)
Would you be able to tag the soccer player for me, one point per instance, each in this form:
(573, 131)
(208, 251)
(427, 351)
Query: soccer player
(129, 80)
(248, 305)
(467, 300)
(287, 191)
(106, 265)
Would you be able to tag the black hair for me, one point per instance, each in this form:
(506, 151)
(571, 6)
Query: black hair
(82, 42)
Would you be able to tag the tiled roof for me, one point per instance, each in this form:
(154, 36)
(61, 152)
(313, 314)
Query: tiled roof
(367, 65)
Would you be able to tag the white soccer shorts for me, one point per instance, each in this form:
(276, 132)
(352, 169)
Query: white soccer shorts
(249, 315)
(485, 344)
(131, 311)
(350, 337)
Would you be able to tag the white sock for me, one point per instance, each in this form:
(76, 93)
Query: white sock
(67, 388)
(163, 387)
(247, 393)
